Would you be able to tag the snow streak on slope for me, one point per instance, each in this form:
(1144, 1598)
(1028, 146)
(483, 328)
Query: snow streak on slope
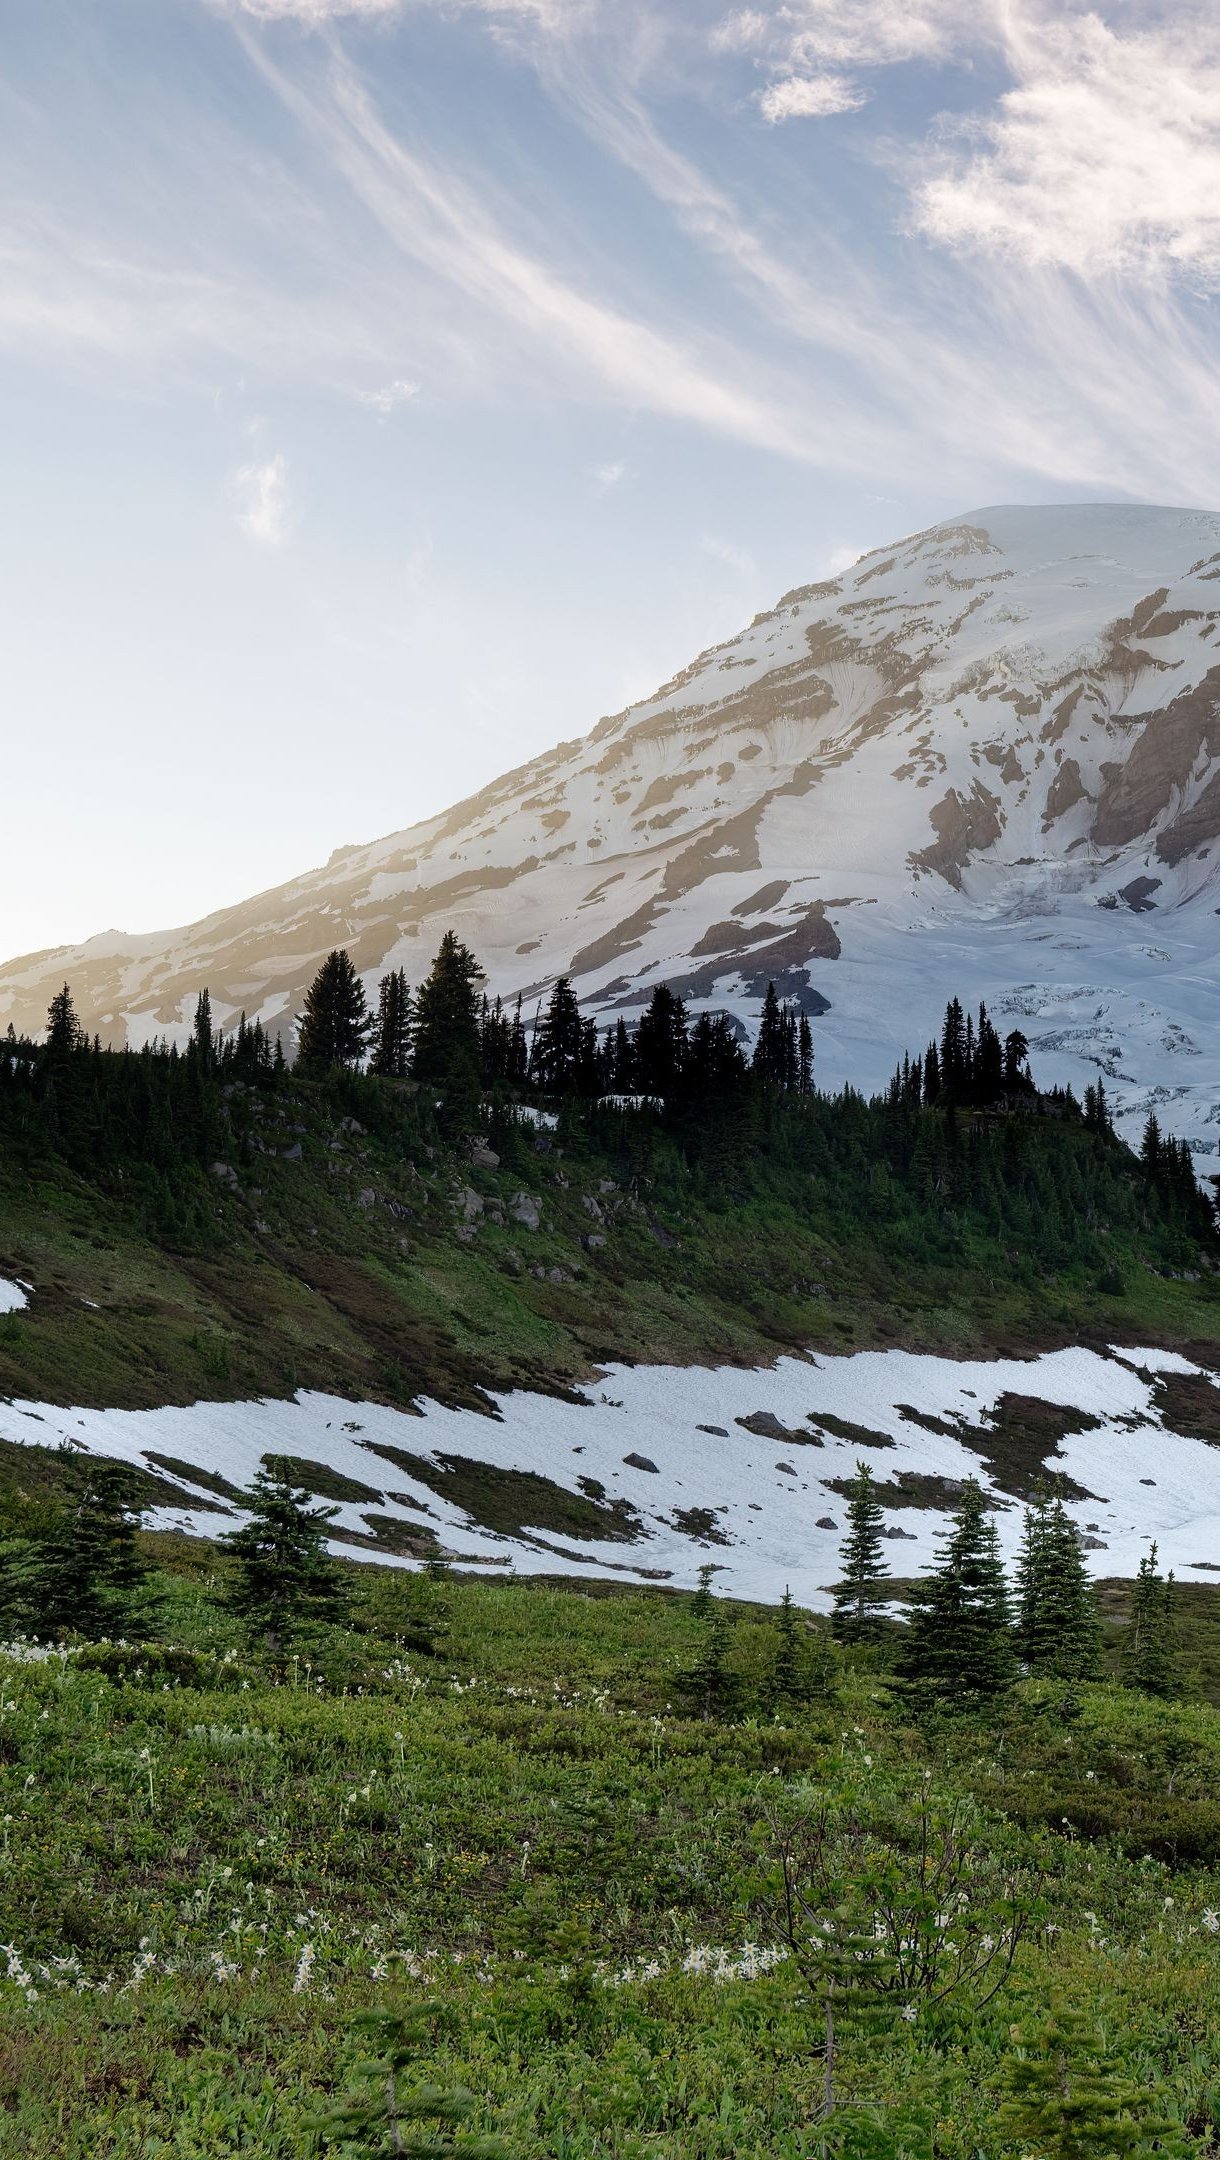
(734, 1467)
(13, 1296)
(984, 760)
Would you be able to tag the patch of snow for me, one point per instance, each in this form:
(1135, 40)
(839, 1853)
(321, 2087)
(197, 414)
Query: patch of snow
(13, 1295)
(710, 1470)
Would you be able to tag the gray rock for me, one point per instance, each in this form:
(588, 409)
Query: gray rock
(525, 1210)
(483, 1158)
(367, 1198)
(593, 1243)
(827, 1522)
(641, 1462)
(470, 1202)
(225, 1172)
(719, 1432)
(294, 1153)
(787, 1469)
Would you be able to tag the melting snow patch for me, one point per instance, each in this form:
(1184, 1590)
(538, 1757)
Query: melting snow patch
(678, 1464)
(13, 1295)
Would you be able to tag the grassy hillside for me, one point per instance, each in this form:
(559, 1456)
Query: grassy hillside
(495, 1796)
(330, 1235)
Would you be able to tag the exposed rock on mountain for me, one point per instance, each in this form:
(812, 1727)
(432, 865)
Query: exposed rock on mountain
(986, 760)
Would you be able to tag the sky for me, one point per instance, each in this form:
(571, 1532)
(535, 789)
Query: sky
(390, 388)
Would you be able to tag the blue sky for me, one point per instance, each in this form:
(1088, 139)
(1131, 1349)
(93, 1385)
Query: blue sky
(391, 387)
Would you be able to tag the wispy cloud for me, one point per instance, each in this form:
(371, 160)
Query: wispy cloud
(724, 551)
(608, 476)
(1103, 159)
(261, 500)
(390, 396)
(809, 97)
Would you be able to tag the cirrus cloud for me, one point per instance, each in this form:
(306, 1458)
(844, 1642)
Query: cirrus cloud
(260, 494)
(809, 97)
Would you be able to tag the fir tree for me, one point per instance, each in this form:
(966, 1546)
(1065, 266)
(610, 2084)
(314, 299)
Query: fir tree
(391, 1038)
(334, 1027)
(202, 1034)
(1057, 1622)
(1150, 1644)
(447, 1052)
(959, 1649)
(769, 1050)
(714, 1691)
(859, 1598)
(381, 2115)
(85, 1573)
(64, 1031)
(283, 1579)
(802, 1662)
(661, 1044)
(1067, 2100)
(558, 1053)
(805, 1057)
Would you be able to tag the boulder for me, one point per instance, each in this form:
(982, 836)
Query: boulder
(641, 1462)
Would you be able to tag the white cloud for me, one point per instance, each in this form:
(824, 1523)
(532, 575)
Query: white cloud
(1103, 159)
(608, 476)
(316, 11)
(390, 396)
(876, 33)
(742, 31)
(809, 97)
(734, 558)
(260, 493)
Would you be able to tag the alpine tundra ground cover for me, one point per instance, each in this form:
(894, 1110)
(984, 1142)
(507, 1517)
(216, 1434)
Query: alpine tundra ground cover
(500, 1797)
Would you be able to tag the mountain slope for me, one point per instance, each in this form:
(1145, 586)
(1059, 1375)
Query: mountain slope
(986, 759)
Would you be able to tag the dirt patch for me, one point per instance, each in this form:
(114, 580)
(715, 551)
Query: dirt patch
(912, 1489)
(843, 1429)
(319, 1478)
(1019, 1444)
(1189, 1404)
(701, 1524)
(209, 1480)
(513, 1502)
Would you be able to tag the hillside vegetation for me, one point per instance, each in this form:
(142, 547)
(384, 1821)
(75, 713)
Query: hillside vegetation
(219, 1224)
(505, 1800)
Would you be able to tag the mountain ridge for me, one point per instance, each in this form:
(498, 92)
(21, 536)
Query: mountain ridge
(986, 757)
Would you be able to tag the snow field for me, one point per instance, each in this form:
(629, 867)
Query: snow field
(764, 1500)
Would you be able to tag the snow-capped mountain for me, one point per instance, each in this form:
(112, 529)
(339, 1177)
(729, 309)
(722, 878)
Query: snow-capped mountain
(985, 760)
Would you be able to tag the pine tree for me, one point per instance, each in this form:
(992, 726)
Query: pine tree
(380, 2115)
(335, 1025)
(1150, 1644)
(64, 1031)
(959, 1649)
(859, 1598)
(714, 1690)
(84, 1572)
(559, 1042)
(661, 1044)
(283, 1580)
(769, 1049)
(1057, 1624)
(447, 1032)
(802, 1662)
(202, 1034)
(391, 1039)
(1067, 2100)
(805, 1057)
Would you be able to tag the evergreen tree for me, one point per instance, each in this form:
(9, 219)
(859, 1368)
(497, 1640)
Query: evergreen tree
(802, 1661)
(84, 1572)
(959, 1649)
(202, 1034)
(714, 1691)
(805, 1057)
(64, 1031)
(1150, 1644)
(1067, 2100)
(860, 1599)
(1057, 1624)
(335, 1025)
(558, 1052)
(381, 2115)
(447, 1032)
(391, 1038)
(769, 1049)
(661, 1044)
(283, 1579)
